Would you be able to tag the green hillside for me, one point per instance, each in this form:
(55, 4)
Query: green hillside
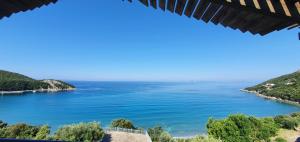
(285, 87)
(8, 76)
(10, 81)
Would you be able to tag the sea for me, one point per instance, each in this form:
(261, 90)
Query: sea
(181, 108)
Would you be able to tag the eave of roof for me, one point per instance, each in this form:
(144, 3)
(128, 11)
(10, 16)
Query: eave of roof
(9, 7)
(254, 16)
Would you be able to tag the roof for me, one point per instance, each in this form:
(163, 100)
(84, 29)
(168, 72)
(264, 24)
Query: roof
(254, 16)
(9, 7)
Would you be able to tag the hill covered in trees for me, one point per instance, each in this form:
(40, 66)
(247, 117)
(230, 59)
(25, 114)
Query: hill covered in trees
(13, 82)
(286, 87)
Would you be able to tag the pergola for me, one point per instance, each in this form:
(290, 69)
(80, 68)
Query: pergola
(9, 7)
(254, 16)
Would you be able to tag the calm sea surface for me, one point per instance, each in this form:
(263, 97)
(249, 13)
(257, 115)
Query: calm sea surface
(181, 108)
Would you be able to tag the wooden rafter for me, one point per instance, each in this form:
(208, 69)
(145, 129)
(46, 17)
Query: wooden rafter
(256, 16)
(9, 7)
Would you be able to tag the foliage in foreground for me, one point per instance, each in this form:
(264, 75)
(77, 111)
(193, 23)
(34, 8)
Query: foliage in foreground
(86, 132)
(279, 139)
(82, 132)
(198, 138)
(23, 131)
(235, 128)
(286, 122)
(122, 123)
(158, 134)
(242, 128)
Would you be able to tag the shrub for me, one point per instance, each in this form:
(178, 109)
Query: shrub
(155, 133)
(165, 137)
(43, 133)
(83, 132)
(286, 122)
(197, 138)
(242, 128)
(2, 124)
(279, 139)
(122, 123)
(20, 131)
(295, 114)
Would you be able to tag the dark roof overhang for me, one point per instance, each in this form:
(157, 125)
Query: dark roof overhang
(254, 16)
(9, 7)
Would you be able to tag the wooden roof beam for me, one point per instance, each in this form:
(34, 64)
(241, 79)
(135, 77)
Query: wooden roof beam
(9, 7)
(262, 7)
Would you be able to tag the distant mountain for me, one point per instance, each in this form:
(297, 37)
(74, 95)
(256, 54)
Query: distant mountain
(286, 87)
(17, 83)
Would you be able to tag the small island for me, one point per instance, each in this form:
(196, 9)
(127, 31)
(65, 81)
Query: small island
(285, 88)
(14, 83)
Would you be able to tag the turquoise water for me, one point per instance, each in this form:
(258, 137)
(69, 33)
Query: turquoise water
(181, 108)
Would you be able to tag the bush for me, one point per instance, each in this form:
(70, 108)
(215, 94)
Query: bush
(279, 139)
(165, 137)
(43, 133)
(2, 124)
(242, 128)
(155, 133)
(83, 132)
(295, 114)
(197, 138)
(122, 123)
(20, 131)
(286, 122)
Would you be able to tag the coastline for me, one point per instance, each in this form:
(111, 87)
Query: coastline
(271, 98)
(35, 91)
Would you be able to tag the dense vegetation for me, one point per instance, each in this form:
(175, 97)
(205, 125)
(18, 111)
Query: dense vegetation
(122, 123)
(235, 128)
(158, 134)
(23, 131)
(280, 140)
(82, 132)
(241, 128)
(286, 87)
(10, 81)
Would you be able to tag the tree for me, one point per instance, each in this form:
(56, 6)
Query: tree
(2, 124)
(165, 137)
(20, 131)
(155, 133)
(242, 128)
(43, 133)
(83, 132)
(122, 123)
(286, 122)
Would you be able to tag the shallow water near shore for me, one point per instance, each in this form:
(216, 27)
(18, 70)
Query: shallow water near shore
(181, 108)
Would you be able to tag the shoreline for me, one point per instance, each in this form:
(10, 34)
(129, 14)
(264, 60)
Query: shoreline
(34, 91)
(271, 98)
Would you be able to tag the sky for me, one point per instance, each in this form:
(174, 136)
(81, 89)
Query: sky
(114, 40)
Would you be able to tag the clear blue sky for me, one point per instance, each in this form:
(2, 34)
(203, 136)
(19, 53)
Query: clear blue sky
(116, 40)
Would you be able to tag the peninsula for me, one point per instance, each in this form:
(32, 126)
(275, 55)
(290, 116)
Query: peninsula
(12, 83)
(285, 88)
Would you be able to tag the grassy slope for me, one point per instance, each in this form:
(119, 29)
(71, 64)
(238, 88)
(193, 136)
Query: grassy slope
(286, 87)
